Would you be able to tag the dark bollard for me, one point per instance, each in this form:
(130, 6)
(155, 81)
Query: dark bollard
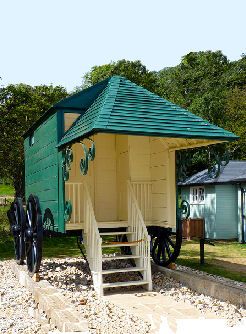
(202, 242)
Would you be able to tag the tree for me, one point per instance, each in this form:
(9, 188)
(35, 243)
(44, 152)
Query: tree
(197, 83)
(20, 106)
(210, 86)
(235, 120)
(132, 70)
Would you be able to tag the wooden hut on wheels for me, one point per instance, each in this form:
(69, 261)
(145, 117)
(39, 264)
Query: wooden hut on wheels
(102, 161)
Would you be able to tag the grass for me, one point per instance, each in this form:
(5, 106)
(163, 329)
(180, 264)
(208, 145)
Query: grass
(226, 258)
(6, 190)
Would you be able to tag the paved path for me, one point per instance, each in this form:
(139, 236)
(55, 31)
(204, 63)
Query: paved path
(164, 313)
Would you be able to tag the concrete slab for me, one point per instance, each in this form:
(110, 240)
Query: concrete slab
(159, 310)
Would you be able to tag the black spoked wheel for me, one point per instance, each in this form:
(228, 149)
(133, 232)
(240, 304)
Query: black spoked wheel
(165, 245)
(16, 216)
(33, 234)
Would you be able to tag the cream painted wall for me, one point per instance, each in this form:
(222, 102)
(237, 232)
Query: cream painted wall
(105, 178)
(139, 158)
(69, 118)
(158, 171)
(118, 159)
(122, 154)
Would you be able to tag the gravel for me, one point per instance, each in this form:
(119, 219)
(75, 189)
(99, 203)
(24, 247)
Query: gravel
(71, 276)
(17, 307)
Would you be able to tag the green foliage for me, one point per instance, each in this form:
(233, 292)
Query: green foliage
(132, 70)
(235, 120)
(6, 190)
(20, 106)
(210, 86)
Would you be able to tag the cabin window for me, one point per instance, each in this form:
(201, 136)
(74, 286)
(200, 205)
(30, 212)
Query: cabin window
(31, 140)
(197, 195)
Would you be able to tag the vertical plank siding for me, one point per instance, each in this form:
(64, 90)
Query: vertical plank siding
(41, 167)
(220, 210)
(226, 211)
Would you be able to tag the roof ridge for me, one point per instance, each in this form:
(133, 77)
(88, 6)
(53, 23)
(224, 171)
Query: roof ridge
(108, 101)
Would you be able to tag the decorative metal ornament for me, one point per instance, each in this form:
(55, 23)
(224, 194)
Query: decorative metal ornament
(218, 161)
(67, 159)
(67, 211)
(184, 210)
(89, 154)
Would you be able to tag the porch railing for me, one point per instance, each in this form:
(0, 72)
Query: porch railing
(143, 194)
(74, 193)
(92, 241)
(138, 227)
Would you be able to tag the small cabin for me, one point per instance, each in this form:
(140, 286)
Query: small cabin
(104, 159)
(219, 201)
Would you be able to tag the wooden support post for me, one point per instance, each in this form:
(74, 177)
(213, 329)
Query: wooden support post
(202, 242)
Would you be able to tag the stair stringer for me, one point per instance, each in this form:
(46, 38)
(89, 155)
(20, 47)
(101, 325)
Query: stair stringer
(140, 233)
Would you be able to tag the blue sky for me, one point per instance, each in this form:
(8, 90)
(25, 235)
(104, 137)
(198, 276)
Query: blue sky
(57, 41)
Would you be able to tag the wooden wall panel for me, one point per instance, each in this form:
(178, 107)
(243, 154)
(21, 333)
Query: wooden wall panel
(122, 172)
(69, 119)
(159, 176)
(139, 158)
(105, 178)
(41, 167)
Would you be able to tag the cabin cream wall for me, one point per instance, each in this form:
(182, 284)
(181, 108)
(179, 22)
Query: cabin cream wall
(73, 187)
(162, 169)
(122, 166)
(171, 189)
(69, 119)
(101, 179)
(139, 158)
(120, 158)
(105, 178)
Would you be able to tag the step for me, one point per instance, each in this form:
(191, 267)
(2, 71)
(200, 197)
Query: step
(121, 257)
(124, 244)
(115, 233)
(122, 270)
(113, 224)
(118, 284)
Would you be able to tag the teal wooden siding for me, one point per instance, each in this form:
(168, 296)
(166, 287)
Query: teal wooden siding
(220, 210)
(239, 212)
(206, 210)
(226, 211)
(42, 168)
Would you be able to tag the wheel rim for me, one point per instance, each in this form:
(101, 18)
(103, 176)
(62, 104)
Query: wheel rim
(165, 246)
(34, 235)
(16, 217)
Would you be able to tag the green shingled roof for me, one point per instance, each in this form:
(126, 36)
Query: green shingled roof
(126, 108)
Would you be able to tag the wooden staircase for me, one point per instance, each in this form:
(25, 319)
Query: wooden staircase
(99, 240)
(134, 260)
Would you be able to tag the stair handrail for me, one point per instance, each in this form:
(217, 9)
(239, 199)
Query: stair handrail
(92, 241)
(138, 227)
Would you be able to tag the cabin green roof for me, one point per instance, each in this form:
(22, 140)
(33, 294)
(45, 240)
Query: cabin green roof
(126, 108)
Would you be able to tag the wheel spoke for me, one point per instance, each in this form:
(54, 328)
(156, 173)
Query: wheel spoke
(167, 248)
(170, 242)
(159, 251)
(163, 254)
